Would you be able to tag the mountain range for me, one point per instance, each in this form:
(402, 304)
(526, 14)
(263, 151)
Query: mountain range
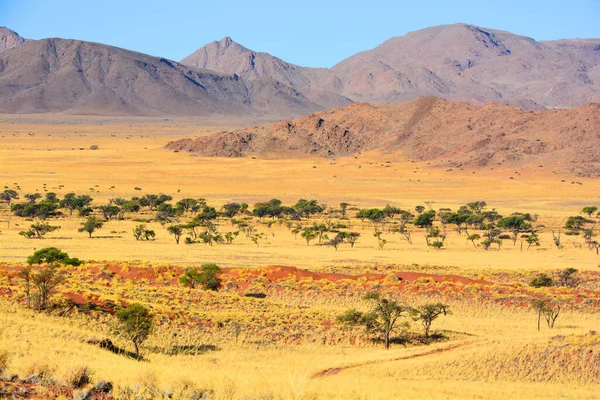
(456, 62)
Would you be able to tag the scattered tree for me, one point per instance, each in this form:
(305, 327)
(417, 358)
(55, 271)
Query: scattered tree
(206, 276)
(90, 225)
(135, 323)
(428, 313)
(380, 320)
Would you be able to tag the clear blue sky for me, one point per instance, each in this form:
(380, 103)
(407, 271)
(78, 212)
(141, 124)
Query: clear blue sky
(311, 33)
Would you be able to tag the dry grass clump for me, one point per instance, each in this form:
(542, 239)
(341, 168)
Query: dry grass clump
(42, 368)
(4, 360)
(77, 375)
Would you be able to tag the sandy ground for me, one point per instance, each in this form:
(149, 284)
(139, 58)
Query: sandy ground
(49, 151)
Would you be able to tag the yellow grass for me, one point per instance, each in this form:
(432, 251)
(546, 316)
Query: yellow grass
(130, 154)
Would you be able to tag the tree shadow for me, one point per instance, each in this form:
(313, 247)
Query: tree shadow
(107, 344)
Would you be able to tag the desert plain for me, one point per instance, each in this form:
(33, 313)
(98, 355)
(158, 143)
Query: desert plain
(288, 345)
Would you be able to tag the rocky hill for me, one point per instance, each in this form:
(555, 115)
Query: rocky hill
(318, 84)
(9, 39)
(59, 75)
(427, 129)
(457, 62)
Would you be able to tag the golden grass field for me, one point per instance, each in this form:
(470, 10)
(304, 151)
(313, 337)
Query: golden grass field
(495, 352)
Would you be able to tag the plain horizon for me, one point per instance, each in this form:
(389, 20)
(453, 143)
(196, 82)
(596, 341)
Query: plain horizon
(334, 33)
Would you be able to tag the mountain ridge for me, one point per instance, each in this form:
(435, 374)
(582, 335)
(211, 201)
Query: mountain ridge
(73, 76)
(459, 62)
(448, 134)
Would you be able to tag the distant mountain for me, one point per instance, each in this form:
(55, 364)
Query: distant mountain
(318, 84)
(457, 62)
(59, 75)
(9, 39)
(468, 63)
(427, 129)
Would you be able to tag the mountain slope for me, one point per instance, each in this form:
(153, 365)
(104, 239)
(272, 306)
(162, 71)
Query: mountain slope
(59, 75)
(457, 62)
(9, 39)
(317, 84)
(427, 129)
(468, 63)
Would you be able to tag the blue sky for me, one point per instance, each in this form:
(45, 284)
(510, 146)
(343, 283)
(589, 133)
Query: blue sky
(310, 33)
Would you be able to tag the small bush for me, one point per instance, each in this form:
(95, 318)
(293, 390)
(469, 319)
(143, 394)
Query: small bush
(541, 281)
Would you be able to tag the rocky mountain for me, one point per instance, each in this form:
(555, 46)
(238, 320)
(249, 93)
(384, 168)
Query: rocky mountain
(318, 84)
(427, 129)
(9, 39)
(457, 62)
(59, 75)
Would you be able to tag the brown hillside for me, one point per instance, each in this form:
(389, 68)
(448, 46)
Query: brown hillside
(59, 75)
(427, 129)
(319, 85)
(457, 62)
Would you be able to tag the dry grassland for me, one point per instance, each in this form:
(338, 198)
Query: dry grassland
(495, 352)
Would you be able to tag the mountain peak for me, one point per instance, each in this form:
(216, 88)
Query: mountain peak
(226, 41)
(9, 39)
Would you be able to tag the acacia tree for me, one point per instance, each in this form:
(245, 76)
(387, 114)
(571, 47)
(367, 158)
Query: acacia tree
(53, 257)
(428, 313)
(514, 223)
(38, 230)
(381, 320)
(548, 309)
(46, 279)
(309, 234)
(9, 195)
(90, 225)
(473, 237)
(589, 210)
(135, 323)
(177, 231)
(73, 202)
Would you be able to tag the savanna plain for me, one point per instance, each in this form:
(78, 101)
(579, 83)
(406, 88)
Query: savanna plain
(283, 278)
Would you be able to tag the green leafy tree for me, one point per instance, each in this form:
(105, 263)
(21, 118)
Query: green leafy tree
(39, 230)
(176, 231)
(135, 323)
(188, 205)
(309, 234)
(52, 256)
(9, 195)
(90, 225)
(576, 223)
(306, 208)
(73, 202)
(33, 197)
(140, 232)
(428, 313)
(589, 210)
(541, 280)
(515, 224)
(425, 219)
(473, 237)
(206, 276)
(381, 320)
